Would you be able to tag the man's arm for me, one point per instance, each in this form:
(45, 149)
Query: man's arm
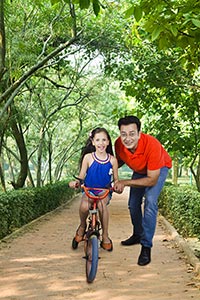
(150, 180)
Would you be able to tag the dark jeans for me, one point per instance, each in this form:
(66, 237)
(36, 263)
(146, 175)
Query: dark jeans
(144, 221)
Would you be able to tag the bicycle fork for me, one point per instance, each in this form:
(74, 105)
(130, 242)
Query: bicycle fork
(94, 225)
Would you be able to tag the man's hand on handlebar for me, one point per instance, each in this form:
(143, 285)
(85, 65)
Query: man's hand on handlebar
(118, 187)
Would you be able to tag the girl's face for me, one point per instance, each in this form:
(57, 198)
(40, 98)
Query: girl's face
(100, 141)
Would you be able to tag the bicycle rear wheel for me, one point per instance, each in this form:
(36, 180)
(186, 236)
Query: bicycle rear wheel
(92, 256)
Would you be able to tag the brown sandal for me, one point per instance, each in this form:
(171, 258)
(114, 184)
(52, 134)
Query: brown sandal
(79, 238)
(107, 246)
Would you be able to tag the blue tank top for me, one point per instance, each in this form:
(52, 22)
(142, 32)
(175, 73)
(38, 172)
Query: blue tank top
(99, 173)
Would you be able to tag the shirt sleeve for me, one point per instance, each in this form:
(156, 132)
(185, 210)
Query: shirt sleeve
(155, 156)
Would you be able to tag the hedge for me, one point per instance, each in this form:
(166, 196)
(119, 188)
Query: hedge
(19, 207)
(181, 206)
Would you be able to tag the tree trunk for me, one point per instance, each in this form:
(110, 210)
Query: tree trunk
(19, 138)
(2, 40)
(30, 181)
(50, 159)
(175, 171)
(2, 70)
(2, 177)
(197, 174)
(39, 159)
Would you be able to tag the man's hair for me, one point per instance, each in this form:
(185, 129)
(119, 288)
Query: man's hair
(129, 120)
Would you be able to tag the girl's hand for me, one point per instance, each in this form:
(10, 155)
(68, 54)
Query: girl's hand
(74, 184)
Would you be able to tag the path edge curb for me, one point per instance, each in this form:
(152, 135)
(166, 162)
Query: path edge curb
(182, 244)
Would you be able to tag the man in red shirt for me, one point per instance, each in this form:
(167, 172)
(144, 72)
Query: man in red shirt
(150, 163)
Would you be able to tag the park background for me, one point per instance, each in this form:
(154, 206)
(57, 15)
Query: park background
(67, 66)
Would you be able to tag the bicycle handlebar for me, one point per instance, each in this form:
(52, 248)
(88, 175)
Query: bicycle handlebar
(97, 197)
(88, 189)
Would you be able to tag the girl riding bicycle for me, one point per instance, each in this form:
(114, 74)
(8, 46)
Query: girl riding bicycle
(98, 165)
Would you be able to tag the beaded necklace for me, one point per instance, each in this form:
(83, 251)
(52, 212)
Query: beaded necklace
(101, 161)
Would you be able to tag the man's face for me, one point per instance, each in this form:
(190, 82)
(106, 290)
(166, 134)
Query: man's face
(129, 136)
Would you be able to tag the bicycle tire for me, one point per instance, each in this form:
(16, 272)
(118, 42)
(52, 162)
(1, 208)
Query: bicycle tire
(92, 257)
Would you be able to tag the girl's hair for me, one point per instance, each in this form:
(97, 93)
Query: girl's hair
(89, 148)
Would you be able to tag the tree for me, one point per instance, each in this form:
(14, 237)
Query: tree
(170, 24)
(14, 71)
(46, 86)
(52, 94)
(168, 99)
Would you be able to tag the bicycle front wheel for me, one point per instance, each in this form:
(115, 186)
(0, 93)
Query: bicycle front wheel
(92, 256)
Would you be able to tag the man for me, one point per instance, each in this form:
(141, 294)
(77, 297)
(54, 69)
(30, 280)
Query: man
(150, 163)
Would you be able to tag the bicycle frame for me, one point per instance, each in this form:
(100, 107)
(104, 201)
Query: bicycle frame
(95, 199)
(91, 245)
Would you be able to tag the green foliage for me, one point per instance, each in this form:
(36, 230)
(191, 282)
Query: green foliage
(96, 7)
(181, 206)
(51, 196)
(166, 97)
(84, 4)
(18, 208)
(59, 104)
(4, 214)
(170, 24)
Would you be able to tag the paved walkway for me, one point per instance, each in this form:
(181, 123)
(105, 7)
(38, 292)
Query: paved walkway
(40, 264)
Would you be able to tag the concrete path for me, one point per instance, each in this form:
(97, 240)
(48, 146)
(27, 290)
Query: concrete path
(39, 263)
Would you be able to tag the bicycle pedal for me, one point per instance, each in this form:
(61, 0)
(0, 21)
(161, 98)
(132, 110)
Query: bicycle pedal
(85, 257)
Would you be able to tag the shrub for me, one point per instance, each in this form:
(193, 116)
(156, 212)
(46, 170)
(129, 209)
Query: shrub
(181, 206)
(19, 207)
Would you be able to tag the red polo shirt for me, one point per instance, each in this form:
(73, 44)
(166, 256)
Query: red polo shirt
(149, 155)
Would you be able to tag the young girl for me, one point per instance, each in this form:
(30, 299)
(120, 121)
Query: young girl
(97, 167)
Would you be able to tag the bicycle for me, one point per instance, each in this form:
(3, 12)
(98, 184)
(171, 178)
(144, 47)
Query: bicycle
(92, 233)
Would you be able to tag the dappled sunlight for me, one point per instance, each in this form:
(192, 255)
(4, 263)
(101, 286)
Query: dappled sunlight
(47, 273)
(21, 276)
(41, 265)
(11, 291)
(36, 259)
(62, 286)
